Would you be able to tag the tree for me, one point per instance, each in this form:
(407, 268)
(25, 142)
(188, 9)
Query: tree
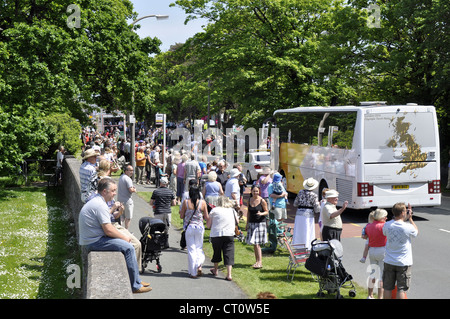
(48, 66)
(262, 55)
(63, 130)
(21, 136)
(178, 94)
(408, 56)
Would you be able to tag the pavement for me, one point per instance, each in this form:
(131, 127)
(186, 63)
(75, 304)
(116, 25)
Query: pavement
(173, 281)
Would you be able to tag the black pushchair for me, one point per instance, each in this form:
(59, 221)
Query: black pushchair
(325, 266)
(154, 239)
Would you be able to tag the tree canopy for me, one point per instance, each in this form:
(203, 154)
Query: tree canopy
(263, 55)
(253, 57)
(50, 65)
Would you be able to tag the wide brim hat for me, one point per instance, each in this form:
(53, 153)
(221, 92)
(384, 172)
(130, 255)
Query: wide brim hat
(234, 172)
(331, 194)
(310, 184)
(89, 153)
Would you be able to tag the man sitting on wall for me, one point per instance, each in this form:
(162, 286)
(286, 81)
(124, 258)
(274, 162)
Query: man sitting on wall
(98, 234)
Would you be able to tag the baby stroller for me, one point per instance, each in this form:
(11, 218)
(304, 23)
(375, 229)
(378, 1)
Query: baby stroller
(325, 266)
(154, 240)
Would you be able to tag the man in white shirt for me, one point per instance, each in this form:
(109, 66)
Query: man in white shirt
(127, 150)
(398, 254)
(232, 189)
(60, 156)
(331, 216)
(97, 233)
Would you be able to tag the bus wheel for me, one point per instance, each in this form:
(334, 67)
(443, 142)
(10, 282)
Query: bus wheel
(249, 178)
(284, 183)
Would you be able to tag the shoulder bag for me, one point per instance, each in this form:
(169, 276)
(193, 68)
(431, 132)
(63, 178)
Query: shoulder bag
(183, 233)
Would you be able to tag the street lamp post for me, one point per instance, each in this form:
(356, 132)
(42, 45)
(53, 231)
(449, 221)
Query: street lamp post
(133, 124)
(157, 16)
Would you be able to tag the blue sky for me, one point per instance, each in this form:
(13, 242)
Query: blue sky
(170, 31)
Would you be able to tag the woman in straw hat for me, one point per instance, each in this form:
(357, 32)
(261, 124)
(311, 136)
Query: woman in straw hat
(307, 203)
(88, 175)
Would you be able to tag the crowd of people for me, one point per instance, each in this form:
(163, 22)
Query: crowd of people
(211, 193)
(388, 244)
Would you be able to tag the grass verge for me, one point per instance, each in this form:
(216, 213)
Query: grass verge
(38, 242)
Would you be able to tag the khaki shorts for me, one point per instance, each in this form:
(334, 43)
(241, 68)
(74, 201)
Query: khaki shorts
(279, 213)
(396, 274)
(128, 209)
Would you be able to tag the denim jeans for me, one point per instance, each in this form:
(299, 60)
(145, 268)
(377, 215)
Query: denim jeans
(116, 244)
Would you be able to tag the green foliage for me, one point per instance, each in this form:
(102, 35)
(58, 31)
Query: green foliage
(63, 130)
(409, 57)
(21, 136)
(263, 55)
(48, 68)
(253, 57)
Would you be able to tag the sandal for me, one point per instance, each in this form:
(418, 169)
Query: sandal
(213, 271)
(257, 266)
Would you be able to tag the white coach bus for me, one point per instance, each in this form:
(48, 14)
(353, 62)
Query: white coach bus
(374, 155)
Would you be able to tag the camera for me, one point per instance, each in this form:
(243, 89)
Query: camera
(408, 214)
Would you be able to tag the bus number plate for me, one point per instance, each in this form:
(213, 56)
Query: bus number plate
(400, 186)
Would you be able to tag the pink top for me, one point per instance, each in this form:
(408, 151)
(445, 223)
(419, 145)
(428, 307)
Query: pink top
(375, 232)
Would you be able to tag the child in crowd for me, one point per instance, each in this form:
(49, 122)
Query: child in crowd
(278, 187)
(366, 246)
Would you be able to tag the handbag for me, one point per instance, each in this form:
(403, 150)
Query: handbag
(237, 231)
(183, 239)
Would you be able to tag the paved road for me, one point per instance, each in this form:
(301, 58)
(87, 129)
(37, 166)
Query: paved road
(173, 282)
(430, 271)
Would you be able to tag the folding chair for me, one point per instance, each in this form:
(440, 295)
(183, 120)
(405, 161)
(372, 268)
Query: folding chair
(298, 254)
(285, 236)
